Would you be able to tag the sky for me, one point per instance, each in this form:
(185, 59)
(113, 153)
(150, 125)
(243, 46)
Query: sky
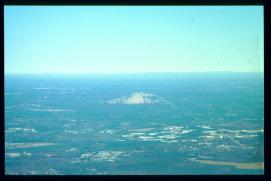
(132, 39)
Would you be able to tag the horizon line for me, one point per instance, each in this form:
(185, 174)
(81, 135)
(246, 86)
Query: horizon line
(117, 73)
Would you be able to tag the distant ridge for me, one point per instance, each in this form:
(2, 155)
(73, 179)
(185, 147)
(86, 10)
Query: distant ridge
(139, 98)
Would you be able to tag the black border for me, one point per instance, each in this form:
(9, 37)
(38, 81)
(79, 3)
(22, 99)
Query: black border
(267, 128)
(134, 2)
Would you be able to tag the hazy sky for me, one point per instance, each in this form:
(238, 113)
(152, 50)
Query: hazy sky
(127, 39)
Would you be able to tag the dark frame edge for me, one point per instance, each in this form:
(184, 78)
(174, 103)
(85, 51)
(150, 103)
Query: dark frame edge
(134, 2)
(267, 135)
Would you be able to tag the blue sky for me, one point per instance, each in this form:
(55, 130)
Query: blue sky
(133, 39)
